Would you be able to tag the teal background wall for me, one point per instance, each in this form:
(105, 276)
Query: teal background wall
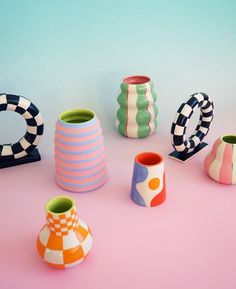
(65, 54)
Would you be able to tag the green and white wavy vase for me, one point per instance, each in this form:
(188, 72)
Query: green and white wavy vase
(136, 116)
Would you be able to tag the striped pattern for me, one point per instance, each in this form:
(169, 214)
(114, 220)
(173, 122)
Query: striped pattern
(137, 112)
(65, 240)
(220, 164)
(79, 155)
(34, 130)
(180, 123)
(131, 111)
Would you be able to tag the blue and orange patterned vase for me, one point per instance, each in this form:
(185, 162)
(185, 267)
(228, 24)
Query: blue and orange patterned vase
(148, 183)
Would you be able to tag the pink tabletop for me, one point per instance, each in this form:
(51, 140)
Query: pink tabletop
(187, 242)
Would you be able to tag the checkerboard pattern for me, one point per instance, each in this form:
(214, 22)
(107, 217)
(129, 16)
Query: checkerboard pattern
(34, 129)
(62, 224)
(65, 241)
(180, 123)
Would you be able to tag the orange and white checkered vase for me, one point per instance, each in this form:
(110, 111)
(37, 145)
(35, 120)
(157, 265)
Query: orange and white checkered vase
(65, 240)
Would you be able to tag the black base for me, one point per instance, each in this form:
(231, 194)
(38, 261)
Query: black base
(34, 156)
(181, 157)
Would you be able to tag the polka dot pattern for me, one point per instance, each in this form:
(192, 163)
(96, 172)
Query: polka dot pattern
(154, 183)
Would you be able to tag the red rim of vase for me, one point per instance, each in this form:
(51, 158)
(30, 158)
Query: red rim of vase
(136, 79)
(149, 159)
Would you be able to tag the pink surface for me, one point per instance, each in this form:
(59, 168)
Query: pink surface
(187, 242)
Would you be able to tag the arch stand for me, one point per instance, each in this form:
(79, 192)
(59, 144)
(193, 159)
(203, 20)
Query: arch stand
(34, 156)
(187, 148)
(24, 151)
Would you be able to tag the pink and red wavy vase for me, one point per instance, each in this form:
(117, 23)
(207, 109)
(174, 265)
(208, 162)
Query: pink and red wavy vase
(220, 164)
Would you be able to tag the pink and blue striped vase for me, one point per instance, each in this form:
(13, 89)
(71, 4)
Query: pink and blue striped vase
(79, 151)
(220, 164)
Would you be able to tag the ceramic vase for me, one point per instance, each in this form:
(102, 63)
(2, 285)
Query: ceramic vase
(148, 183)
(79, 151)
(220, 164)
(65, 240)
(136, 116)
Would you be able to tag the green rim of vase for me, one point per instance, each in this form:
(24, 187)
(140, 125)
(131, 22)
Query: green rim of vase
(76, 116)
(229, 138)
(59, 205)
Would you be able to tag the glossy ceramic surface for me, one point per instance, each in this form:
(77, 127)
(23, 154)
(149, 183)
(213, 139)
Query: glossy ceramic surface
(148, 183)
(79, 151)
(220, 164)
(136, 116)
(65, 240)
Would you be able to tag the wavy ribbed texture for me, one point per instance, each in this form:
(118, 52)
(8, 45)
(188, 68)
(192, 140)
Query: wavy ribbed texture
(137, 112)
(220, 164)
(79, 152)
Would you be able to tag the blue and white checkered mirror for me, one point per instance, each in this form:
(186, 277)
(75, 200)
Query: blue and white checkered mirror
(23, 151)
(187, 148)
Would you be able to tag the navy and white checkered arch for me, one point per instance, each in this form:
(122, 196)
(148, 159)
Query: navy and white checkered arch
(34, 129)
(180, 123)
